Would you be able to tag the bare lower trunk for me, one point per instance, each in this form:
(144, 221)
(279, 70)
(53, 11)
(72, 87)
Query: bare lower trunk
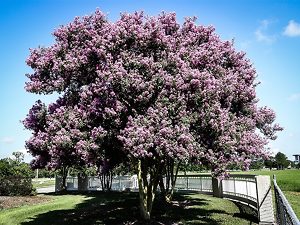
(82, 181)
(171, 172)
(147, 187)
(106, 180)
(64, 172)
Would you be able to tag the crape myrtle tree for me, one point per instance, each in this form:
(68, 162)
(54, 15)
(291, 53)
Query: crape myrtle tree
(153, 92)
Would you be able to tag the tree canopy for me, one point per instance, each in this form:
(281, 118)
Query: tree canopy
(145, 89)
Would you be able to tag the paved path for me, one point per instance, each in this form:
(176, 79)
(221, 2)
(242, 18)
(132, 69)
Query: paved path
(45, 190)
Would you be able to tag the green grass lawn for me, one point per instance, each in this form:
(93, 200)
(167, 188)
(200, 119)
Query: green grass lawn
(28, 213)
(122, 208)
(43, 182)
(24, 214)
(287, 180)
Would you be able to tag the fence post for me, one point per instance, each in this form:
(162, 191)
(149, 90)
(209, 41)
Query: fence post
(58, 183)
(201, 184)
(187, 183)
(83, 182)
(119, 189)
(264, 200)
(217, 187)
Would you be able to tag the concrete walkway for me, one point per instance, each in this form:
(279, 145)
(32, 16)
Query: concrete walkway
(45, 190)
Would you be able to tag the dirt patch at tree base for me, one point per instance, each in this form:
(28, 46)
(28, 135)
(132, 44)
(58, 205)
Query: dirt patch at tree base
(7, 202)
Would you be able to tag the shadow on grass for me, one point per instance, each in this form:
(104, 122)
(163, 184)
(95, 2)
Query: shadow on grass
(122, 208)
(246, 212)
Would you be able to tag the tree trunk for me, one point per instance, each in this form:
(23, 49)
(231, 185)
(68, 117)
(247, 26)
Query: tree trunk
(171, 172)
(162, 186)
(106, 180)
(64, 172)
(83, 181)
(147, 186)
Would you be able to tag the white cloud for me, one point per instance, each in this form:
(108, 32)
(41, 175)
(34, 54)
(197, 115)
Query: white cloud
(7, 140)
(294, 97)
(292, 29)
(261, 37)
(261, 33)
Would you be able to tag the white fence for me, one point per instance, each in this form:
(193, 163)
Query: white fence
(119, 183)
(201, 183)
(241, 188)
(251, 190)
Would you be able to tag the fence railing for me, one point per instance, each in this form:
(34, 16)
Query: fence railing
(242, 188)
(250, 190)
(201, 183)
(284, 212)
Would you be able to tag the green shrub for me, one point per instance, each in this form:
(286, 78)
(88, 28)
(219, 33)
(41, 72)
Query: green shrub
(16, 185)
(15, 176)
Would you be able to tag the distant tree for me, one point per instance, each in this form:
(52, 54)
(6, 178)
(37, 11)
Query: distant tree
(234, 166)
(257, 164)
(281, 161)
(19, 156)
(5, 168)
(191, 166)
(270, 163)
(44, 173)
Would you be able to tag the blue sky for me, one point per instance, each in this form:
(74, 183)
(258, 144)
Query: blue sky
(268, 31)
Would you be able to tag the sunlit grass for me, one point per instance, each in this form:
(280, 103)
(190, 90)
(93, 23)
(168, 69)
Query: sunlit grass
(25, 213)
(43, 182)
(287, 180)
(122, 208)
